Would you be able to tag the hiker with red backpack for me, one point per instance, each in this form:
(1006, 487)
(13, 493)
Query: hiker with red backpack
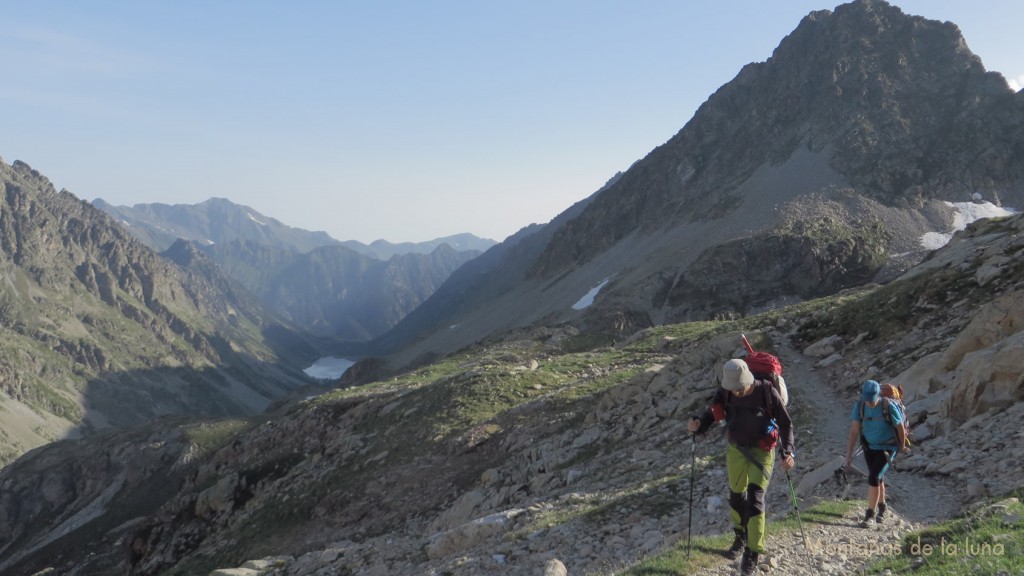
(878, 423)
(756, 423)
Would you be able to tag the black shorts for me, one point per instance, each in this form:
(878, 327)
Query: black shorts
(878, 463)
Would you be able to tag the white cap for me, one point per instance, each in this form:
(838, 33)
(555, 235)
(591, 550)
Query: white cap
(736, 376)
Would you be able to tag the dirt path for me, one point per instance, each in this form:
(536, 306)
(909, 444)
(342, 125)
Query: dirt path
(919, 498)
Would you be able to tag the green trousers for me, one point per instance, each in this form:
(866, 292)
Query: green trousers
(747, 485)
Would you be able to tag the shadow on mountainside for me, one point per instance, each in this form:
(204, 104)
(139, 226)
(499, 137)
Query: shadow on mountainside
(141, 432)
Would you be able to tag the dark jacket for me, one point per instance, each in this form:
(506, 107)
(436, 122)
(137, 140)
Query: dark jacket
(748, 418)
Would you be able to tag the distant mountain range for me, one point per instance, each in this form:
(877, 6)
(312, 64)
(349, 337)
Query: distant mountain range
(348, 291)
(219, 221)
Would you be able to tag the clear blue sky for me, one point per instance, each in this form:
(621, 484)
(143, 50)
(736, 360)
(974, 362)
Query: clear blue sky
(401, 120)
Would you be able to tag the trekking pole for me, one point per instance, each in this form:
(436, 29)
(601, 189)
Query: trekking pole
(693, 473)
(796, 507)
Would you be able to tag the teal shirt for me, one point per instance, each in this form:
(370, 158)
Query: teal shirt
(879, 434)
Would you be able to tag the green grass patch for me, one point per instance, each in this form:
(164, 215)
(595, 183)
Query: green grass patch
(586, 341)
(702, 552)
(684, 332)
(988, 541)
(825, 512)
(211, 436)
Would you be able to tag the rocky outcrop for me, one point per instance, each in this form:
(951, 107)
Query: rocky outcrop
(809, 260)
(980, 371)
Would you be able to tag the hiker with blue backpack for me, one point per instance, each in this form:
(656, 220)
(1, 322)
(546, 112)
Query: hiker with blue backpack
(877, 423)
(756, 422)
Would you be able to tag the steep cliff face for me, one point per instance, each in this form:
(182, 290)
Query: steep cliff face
(98, 330)
(865, 117)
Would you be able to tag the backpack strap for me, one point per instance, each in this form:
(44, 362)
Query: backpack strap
(766, 386)
(750, 458)
(888, 420)
(886, 417)
(885, 412)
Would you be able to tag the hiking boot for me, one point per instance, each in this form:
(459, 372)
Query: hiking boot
(868, 516)
(738, 545)
(748, 566)
(881, 512)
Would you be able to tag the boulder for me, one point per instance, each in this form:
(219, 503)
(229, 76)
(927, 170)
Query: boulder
(810, 480)
(824, 347)
(554, 567)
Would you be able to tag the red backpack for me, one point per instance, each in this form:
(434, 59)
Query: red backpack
(765, 366)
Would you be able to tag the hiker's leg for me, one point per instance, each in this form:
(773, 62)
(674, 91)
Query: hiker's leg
(876, 462)
(877, 467)
(736, 464)
(882, 507)
(755, 499)
(872, 497)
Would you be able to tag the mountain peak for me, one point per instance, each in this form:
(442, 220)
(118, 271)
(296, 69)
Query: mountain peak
(818, 168)
(864, 97)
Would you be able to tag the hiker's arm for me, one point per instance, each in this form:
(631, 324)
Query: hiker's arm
(852, 440)
(787, 437)
(700, 424)
(901, 438)
(714, 412)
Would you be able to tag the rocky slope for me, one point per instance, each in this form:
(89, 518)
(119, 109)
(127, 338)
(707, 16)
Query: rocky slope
(97, 330)
(540, 450)
(816, 169)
